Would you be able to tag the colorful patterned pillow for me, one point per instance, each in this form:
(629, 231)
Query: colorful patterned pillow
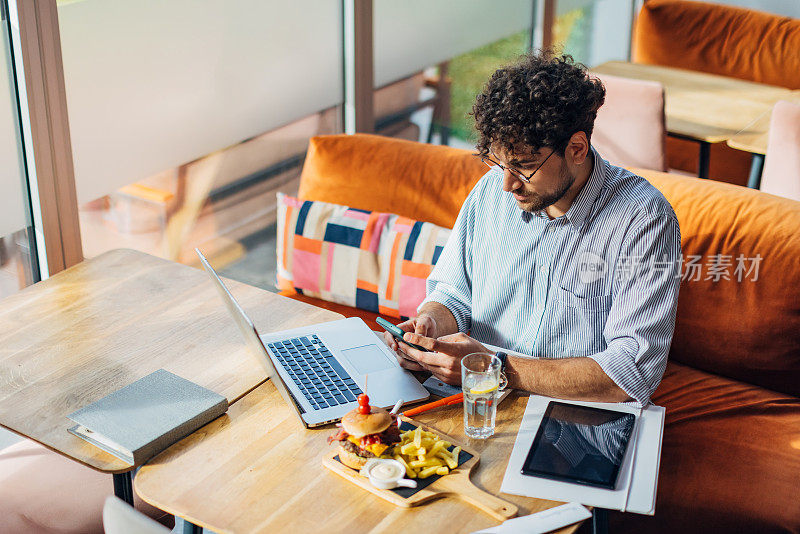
(370, 260)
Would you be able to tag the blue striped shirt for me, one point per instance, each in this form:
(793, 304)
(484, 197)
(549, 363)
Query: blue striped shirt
(601, 281)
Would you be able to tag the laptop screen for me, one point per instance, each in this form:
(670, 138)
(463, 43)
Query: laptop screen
(250, 334)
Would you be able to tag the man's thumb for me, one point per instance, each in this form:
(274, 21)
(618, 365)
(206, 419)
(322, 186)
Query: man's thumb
(423, 326)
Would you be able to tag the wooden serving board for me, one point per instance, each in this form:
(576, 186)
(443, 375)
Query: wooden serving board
(457, 483)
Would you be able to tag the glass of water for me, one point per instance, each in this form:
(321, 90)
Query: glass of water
(481, 384)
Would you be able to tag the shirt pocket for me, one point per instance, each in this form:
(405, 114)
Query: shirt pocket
(578, 324)
(599, 304)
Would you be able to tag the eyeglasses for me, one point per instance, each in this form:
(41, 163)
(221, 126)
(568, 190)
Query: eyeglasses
(489, 162)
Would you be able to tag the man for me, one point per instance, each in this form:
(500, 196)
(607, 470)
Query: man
(555, 254)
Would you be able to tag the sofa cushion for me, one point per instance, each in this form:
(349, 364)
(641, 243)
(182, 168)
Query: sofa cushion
(369, 172)
(718, 39)
(749, 329)
(374, 261)
(730, 458)
(44, 492)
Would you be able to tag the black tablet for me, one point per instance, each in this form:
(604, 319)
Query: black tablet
(580, 444)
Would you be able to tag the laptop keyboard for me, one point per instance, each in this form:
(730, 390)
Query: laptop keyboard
(321, 378)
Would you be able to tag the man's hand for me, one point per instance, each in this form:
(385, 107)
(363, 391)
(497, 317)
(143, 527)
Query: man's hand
(423, 325)
(445, 360)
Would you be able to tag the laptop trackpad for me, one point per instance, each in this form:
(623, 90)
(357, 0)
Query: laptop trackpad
(367, 359)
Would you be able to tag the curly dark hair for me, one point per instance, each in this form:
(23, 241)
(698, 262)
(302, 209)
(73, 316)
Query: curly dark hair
(540, 101)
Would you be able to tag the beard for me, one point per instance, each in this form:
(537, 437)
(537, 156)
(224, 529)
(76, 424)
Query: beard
(538, 202)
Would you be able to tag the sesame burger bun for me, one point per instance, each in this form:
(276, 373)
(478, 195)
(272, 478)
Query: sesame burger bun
(359, 425)
(351, 460)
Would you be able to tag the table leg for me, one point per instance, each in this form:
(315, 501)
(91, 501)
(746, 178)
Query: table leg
(191, 528)
(705, 157)
(756, 167)
(123, 486)
(599, 521)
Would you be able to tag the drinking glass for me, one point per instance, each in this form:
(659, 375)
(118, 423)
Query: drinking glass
(480, 382)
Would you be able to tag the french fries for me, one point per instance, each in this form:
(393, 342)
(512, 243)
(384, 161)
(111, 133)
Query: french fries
(423, 454)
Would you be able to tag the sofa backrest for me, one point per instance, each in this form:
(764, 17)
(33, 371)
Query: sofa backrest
(731, 41)
(369, 172)
(748, 330)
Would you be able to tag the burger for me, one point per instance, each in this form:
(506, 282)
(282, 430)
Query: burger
(366, 432)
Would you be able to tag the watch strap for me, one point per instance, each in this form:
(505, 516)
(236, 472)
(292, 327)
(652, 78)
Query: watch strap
(502, 356)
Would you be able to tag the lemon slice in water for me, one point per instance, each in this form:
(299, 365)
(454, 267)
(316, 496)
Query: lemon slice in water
(483, 387)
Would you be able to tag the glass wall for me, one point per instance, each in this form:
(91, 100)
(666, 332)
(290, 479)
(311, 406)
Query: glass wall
(187, 116)
(470, 71)
(18, 263)
(18, 259)
(454, 46)
(187, 122)
(449, 48)
(593, 31)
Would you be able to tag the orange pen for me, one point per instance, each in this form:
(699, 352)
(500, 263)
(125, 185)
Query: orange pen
(447, 401)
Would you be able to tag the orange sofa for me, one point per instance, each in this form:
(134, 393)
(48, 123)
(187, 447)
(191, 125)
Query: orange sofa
(718, 39)
(731, 452)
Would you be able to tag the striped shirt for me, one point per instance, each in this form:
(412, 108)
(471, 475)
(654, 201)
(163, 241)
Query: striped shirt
(601, 281)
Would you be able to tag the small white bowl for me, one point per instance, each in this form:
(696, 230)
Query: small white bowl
(386, 482)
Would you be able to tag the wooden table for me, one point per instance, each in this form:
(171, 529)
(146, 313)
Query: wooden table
(257, 469)
(94, 328)
(754, 138)
(702, 107)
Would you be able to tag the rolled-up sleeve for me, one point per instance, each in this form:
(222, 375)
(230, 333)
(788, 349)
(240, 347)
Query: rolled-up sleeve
(641, 321)
(450, 282)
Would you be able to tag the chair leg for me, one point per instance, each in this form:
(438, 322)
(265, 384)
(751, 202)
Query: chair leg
(756, 168)
(705, 157)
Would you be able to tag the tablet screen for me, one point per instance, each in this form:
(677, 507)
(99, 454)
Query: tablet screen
(580, 444)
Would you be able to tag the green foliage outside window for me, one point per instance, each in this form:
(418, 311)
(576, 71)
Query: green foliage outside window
(469, 72)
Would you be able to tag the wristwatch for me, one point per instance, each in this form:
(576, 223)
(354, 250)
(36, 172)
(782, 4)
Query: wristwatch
(502, 356)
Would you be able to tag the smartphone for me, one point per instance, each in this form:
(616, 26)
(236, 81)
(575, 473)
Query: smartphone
(397, 333)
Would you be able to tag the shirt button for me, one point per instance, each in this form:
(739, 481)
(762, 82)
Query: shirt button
(543, 269)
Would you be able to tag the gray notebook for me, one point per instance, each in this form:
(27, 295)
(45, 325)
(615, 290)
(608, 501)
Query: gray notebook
(140, 420)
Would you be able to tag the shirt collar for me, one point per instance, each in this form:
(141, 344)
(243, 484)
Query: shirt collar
(582, 205)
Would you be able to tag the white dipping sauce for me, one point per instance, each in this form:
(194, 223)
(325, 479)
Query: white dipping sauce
(385, 471)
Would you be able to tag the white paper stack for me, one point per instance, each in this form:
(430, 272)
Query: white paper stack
(541, 522)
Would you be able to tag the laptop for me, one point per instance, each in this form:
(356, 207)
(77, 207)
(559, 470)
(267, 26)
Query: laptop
(320, 370)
